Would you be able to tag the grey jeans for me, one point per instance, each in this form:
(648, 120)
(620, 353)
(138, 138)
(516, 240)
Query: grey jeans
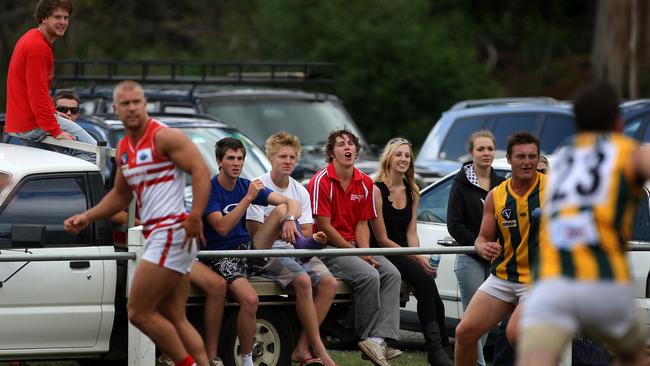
(471, 273)
(68, 126)
(376, 294)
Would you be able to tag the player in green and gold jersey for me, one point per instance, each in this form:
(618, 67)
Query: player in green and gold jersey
(509, 237)
(583, 281)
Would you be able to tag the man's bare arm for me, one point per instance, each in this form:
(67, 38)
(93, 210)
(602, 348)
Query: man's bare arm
(184, 154)
(114, 201)
(224, 224)
(641, 161)
(485, 243)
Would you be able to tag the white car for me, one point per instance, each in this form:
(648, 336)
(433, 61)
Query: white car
(432, 230)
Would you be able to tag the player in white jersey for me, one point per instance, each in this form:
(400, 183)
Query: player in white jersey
(151, 159)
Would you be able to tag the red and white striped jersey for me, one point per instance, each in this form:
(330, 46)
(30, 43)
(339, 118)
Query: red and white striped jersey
(157, 182)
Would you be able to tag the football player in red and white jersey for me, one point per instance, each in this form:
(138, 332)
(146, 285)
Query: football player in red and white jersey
(152, 159)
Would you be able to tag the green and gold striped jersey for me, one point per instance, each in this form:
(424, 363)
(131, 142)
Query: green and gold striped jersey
(592, 196)
(518, 219)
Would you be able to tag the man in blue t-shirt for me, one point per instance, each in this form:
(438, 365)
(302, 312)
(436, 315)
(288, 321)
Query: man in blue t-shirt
(225, 228)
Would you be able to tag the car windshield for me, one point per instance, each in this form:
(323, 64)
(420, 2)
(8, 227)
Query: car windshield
(433, 202)
(311, 121)
(556, 128)
(205, 138)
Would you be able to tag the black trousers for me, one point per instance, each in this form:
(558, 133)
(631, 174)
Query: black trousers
(430, 307)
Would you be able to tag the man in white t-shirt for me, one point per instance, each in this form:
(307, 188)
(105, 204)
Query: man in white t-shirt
(283, 150)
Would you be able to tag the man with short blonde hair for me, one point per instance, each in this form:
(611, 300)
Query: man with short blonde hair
(283, 150)
(152, 159)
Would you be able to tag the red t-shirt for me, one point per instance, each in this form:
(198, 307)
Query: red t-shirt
(30, 74)
(345, 208)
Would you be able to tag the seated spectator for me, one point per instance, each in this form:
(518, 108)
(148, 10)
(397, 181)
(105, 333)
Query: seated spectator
(66, 104)
(224, 229)
(396, 202)
(30, 112)
(342, 203)
(283, 150)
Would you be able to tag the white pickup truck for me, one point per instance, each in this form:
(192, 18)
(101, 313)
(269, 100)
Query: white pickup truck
(76, 309)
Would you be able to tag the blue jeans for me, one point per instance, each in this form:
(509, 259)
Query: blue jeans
(471, 273)
(68, 126)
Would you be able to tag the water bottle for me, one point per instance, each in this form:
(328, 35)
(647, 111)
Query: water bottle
(434, 261)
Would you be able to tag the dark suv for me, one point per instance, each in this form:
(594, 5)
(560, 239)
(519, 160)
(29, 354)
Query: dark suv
(235, 98)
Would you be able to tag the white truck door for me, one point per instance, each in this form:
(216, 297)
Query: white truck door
(432, 228)
(48, 305)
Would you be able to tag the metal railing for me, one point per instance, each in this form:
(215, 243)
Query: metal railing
(101, 151)
(141, 350)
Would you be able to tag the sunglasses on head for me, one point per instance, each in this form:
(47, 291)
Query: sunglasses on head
(62, 109)
(399, 140)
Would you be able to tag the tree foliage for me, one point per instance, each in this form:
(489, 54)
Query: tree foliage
(401, 62)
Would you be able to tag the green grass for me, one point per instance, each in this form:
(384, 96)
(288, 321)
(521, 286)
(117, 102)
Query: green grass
(353, 358)
(344, 358)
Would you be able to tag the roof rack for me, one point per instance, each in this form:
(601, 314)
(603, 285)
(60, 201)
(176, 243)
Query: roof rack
(474, 103)
(195, 72)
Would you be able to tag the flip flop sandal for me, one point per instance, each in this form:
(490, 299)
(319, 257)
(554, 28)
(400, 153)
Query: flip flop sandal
(312, 362)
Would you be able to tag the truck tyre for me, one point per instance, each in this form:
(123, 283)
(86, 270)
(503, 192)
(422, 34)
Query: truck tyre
(274, 339)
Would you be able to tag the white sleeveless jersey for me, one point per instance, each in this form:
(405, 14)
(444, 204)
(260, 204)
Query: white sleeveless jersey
(157, 182)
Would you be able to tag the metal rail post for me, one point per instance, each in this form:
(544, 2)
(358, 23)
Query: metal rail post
(142, 350)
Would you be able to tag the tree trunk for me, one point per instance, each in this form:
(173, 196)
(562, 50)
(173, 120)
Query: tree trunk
(610, 51)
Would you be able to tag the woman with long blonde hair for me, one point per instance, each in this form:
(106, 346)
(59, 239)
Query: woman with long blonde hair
(396, 200)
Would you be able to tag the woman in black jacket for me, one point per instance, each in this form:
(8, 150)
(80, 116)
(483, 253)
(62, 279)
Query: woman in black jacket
(465, 212)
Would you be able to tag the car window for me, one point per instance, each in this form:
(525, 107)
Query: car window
(433, 203)
(46, 201)
(205, 139)
(631, 128)
(455, 144)
(505, 126)
(646, 135)
(311, 121)
(641, 228)
(555, 131)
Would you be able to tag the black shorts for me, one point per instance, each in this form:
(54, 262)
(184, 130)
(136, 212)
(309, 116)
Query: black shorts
(232, 268)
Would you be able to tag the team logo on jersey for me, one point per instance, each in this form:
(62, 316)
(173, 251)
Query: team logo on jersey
(144, 156)
(124, 158)
(506, 213)
(356, 197)
(226, 210)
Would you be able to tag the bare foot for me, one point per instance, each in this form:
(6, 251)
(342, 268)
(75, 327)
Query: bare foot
(327, 360)
(299, 355)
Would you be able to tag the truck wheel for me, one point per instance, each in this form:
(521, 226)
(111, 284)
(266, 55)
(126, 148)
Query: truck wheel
(274, 340)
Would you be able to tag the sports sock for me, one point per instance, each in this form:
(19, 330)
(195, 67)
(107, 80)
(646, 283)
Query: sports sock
(247, 359)
(378, 340)
(187, 361)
